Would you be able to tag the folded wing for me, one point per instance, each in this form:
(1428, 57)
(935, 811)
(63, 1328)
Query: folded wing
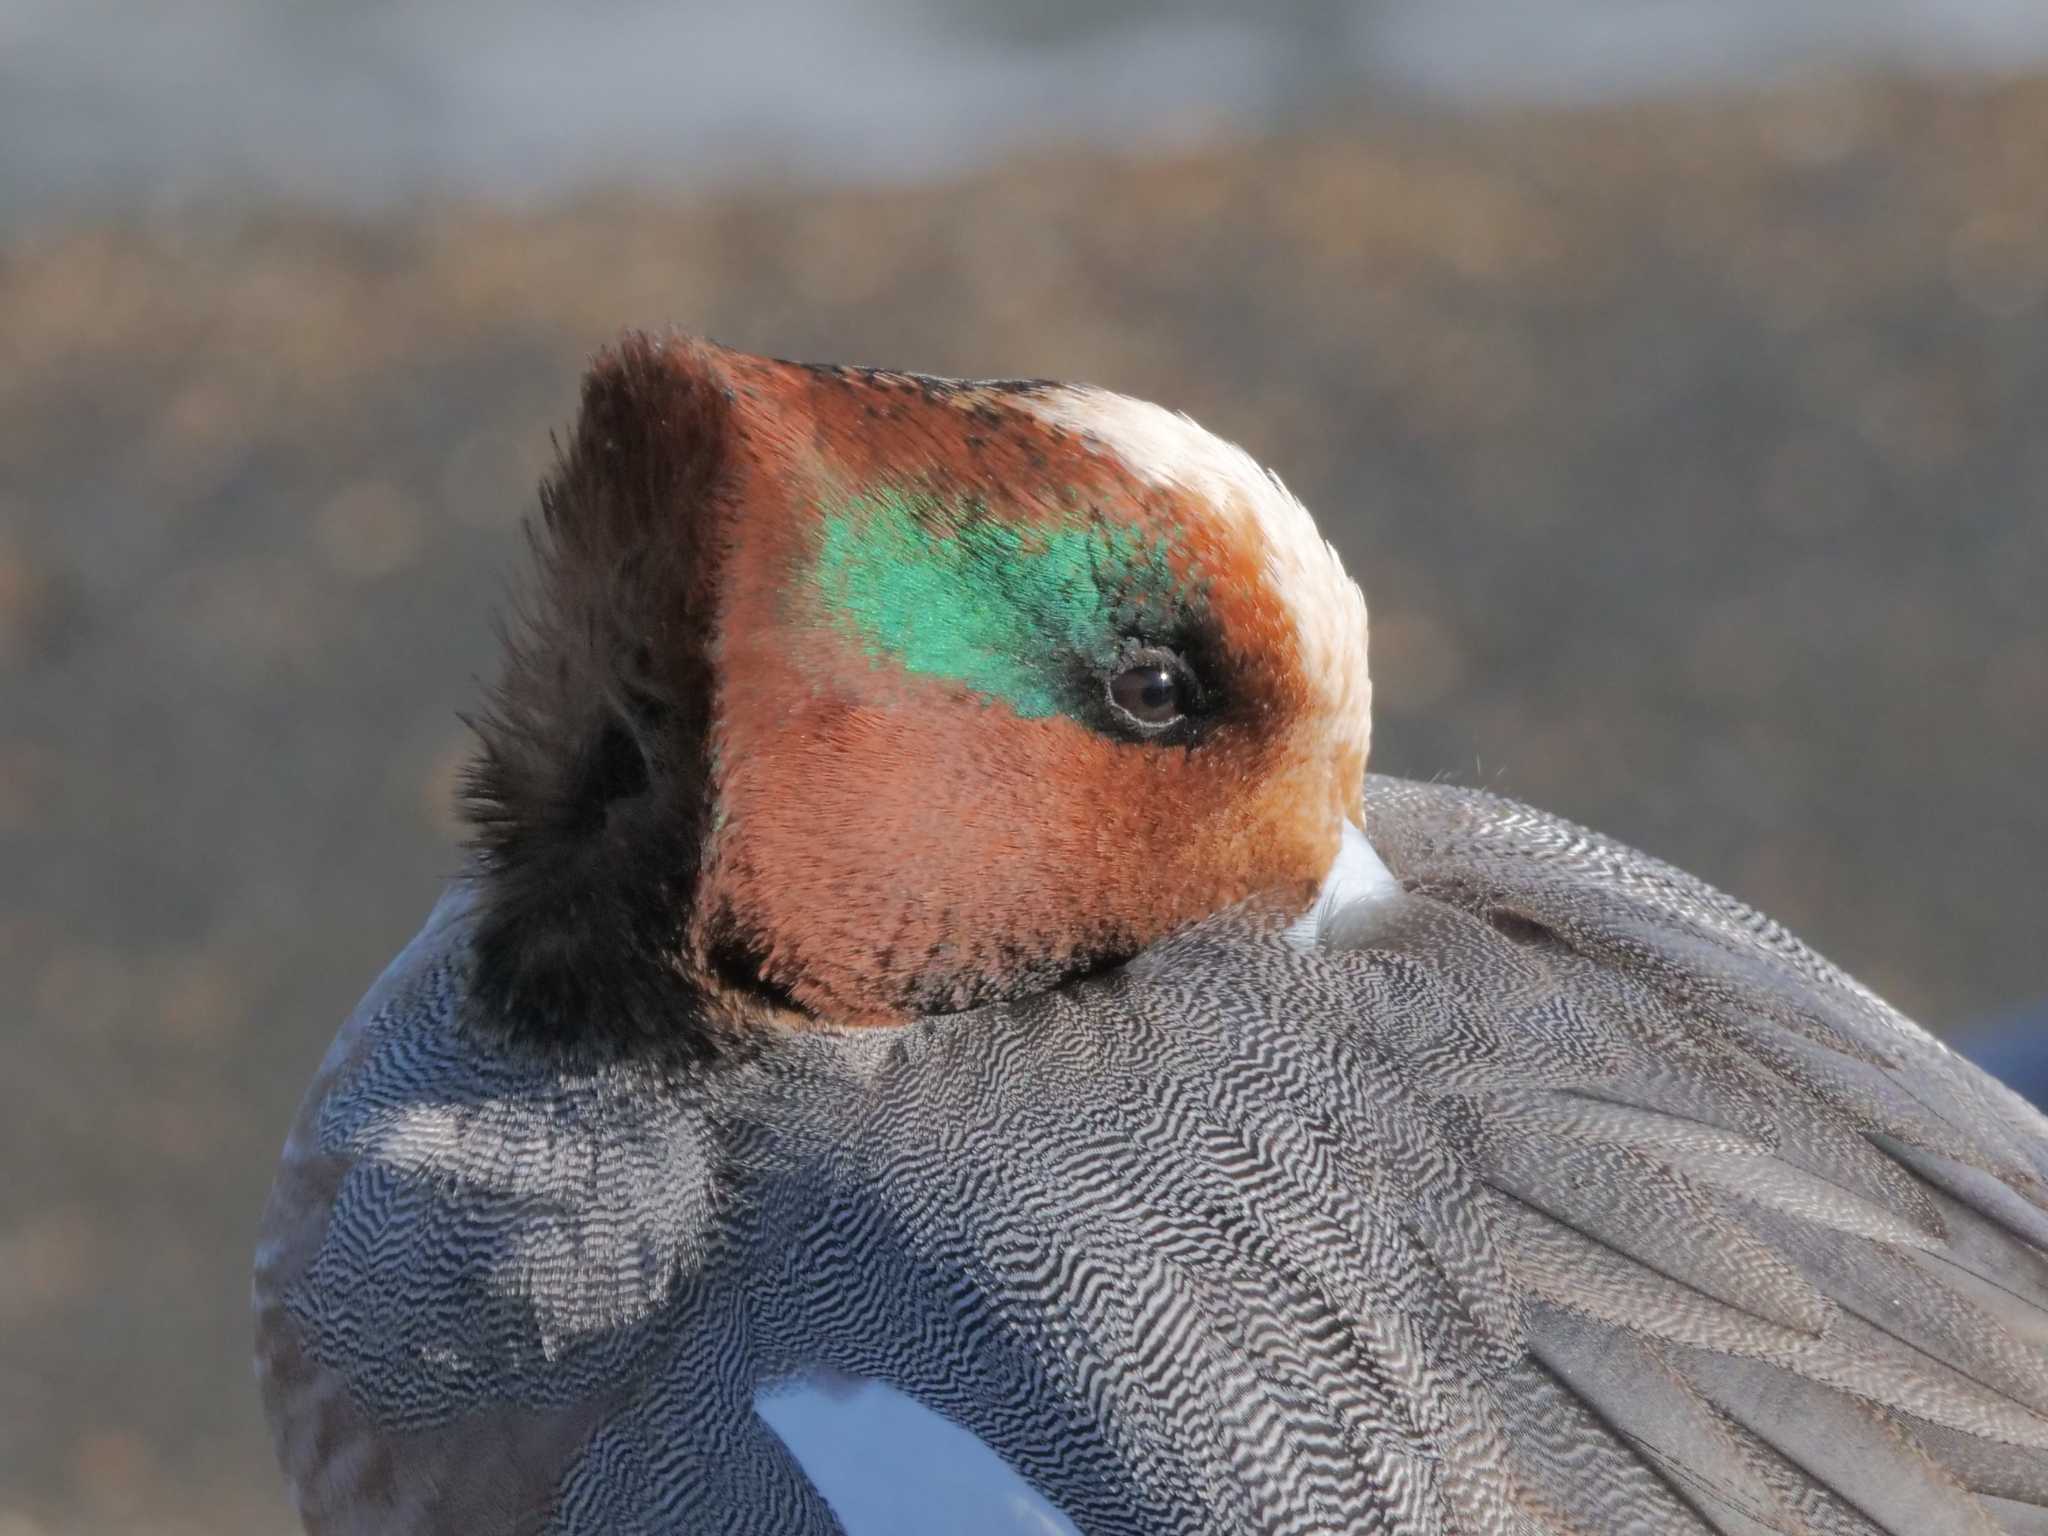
(1781, 1258)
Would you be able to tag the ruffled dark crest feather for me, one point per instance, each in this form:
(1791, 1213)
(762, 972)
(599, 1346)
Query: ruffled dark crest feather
(588, 797)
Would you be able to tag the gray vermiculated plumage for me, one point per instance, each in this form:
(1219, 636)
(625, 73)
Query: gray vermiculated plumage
(1557, 1194)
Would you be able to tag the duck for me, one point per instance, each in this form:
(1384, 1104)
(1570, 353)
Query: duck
(941, 1031)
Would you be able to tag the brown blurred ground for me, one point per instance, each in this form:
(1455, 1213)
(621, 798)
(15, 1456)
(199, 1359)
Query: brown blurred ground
(1693, 459)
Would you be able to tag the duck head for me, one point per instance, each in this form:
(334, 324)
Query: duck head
(846, 696)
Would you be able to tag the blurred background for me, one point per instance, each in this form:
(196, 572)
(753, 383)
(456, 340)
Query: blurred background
(1671, 372)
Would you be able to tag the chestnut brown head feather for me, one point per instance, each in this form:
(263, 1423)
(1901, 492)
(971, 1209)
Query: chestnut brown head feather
(822, 709)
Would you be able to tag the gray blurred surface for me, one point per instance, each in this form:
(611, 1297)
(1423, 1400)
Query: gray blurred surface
(1691, 457)
(367, 103)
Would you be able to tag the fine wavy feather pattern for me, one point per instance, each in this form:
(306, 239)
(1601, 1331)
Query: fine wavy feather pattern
(1557, 1195)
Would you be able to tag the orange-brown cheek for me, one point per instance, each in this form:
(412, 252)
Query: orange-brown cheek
(893, 862)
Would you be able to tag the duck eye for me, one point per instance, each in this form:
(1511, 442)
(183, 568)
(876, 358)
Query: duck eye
(1151, 688)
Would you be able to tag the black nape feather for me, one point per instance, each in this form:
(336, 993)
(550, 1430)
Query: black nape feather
(617, 771)
(589, 795)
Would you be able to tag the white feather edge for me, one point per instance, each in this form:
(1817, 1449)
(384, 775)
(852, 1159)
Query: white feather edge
(1358, 879)
(889, 1466)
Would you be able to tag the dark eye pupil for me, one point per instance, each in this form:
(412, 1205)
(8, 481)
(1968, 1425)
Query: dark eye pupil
(1149, 693)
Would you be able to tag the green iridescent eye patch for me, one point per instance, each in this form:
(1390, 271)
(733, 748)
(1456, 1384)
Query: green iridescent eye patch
(947, 589)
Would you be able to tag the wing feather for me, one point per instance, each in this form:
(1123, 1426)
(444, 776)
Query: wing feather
(1773, 1240)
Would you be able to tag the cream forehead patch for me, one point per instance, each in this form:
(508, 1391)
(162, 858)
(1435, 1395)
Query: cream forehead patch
(1164, 448)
